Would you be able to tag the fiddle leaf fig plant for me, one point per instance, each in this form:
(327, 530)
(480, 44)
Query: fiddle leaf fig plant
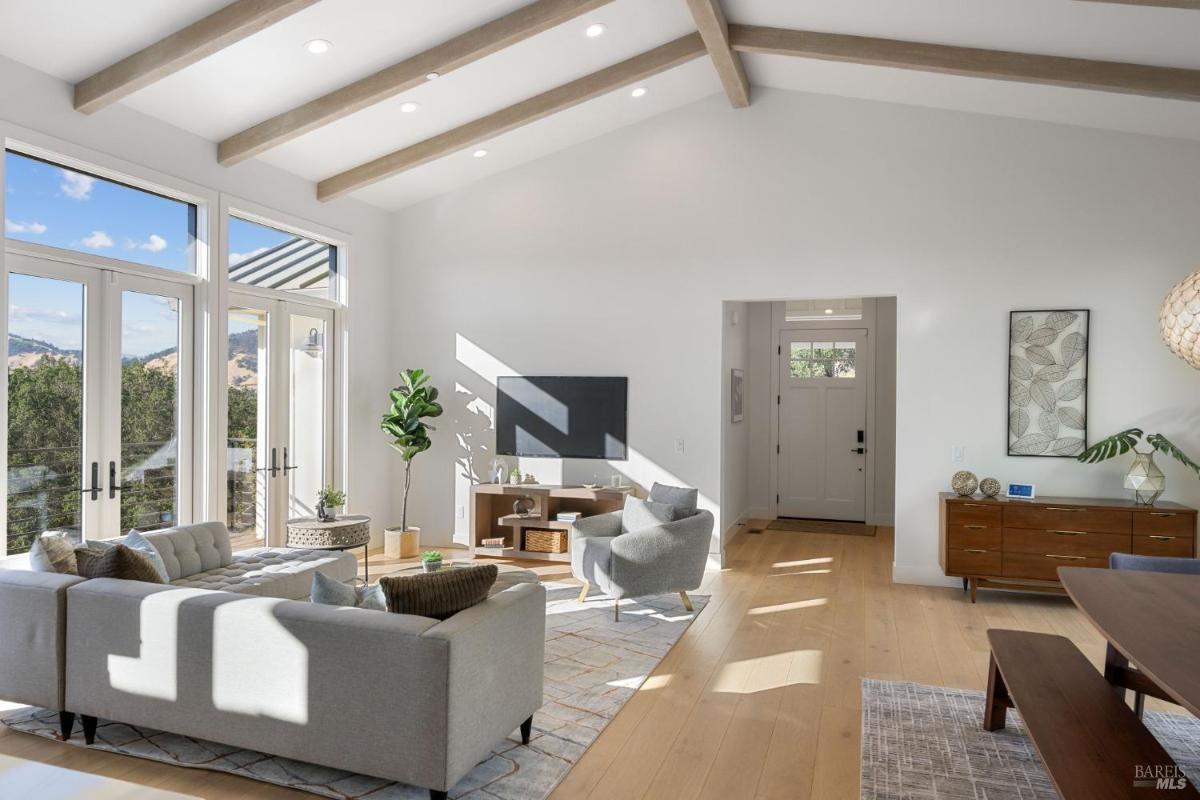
(412, 402)
(1126, 440)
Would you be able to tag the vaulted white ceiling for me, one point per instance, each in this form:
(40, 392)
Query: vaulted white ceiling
(271, 72)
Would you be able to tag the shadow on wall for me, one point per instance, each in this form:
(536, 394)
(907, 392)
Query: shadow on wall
(473, 424)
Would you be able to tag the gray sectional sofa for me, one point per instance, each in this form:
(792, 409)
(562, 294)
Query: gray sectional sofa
(222, 654)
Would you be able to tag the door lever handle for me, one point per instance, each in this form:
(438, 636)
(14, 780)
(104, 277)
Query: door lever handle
(285, 461)
(858, 450)
(113, 488)
(94, 489)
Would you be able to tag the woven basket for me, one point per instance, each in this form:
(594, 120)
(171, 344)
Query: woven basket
(539, 541)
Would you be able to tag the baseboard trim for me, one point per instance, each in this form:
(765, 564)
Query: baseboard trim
(922, 575)
(886, 520)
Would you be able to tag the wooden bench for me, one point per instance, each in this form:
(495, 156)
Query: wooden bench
(1093, 745)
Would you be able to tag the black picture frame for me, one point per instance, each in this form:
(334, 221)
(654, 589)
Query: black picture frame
(1056, 447)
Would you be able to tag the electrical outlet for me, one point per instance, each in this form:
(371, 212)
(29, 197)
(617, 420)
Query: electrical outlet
(680, 446)
(460, 512)
(958, 453)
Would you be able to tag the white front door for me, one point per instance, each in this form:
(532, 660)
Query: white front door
(822, 406)
(279, 397)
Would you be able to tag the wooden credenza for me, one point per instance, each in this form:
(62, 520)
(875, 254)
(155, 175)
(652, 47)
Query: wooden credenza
(1022, 543)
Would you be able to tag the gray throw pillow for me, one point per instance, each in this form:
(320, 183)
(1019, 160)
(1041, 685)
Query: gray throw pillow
(117, 561)
(329, 591)
(641, 514)
(440, 594)
(683, 499)
(53, 552)
(135, 541)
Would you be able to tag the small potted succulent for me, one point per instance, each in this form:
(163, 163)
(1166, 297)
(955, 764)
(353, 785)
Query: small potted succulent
(329, 500)
(431, 560)
(514, 477)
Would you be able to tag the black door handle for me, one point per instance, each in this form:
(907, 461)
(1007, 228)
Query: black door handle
(113, 488)
(285, 462)
(94, 491)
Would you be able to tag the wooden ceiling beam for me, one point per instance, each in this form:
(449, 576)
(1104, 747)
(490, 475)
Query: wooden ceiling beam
(1079, 73)
(535, 108)
(450, 55)
(714, 30)
(199, 40)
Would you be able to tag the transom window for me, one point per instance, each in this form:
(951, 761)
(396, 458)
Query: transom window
(260, 255)
(823, 359)
(49, 204)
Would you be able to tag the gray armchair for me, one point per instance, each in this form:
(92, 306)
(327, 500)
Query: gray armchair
(665, 558)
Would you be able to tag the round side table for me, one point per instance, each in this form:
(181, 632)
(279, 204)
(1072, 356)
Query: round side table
(343, 533)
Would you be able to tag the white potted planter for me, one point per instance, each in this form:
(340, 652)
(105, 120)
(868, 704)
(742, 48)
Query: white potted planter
(401, 542)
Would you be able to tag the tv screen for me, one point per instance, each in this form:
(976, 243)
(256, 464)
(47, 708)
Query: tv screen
(561, 417)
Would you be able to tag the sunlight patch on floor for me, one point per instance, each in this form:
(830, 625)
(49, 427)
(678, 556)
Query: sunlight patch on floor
(765, 673)
(807, 562)
(795, 605)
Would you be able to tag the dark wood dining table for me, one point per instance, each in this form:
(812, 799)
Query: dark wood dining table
(1152, 621)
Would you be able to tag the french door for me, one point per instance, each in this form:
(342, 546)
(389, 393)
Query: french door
(279, 415)
(99, 401)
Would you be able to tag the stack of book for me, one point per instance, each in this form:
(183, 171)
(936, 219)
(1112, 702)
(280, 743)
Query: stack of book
(496, 542)
(568, 516)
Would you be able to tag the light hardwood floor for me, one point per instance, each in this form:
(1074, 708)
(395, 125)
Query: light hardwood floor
(760, 698)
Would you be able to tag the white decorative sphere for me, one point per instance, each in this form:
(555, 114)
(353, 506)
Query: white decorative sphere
(1180, 319)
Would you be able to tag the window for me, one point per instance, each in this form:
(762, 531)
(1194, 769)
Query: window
(49, 204)
(260, 255)
(822, 359)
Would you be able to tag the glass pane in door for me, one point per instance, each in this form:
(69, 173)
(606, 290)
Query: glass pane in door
(306, 434)
(45, 408)
(246, 451)
(149, 480)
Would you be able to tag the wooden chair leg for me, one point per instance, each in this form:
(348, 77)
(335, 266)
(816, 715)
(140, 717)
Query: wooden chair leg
(1139, 704)
(687, 602)
(526, 730)
(89, 728)
(583, 592)
(617, 610)
(66, 722)
(995, 707)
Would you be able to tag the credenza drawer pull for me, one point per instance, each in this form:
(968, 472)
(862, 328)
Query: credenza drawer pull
(975, 505)
(972, 550)
(1067, 558)
(1162, 513)
(975, 527)
(1161, 538)
(1067, 510)
(1068, 533)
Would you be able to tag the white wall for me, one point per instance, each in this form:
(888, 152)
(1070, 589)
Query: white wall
(735, 447)
(613, 257)
(38, 102)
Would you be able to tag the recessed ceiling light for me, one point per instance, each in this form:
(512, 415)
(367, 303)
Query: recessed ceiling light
(318, 46)
(596, 29)
(480, 153)
(408, 108)
(639, 91)
(829, 311)
(429, 76)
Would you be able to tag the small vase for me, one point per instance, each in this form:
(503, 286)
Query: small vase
(431, 566)
(326, 513)
(1146, 479)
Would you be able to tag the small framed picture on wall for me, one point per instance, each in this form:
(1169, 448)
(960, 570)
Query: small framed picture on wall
(737, 395)
(1047, 383)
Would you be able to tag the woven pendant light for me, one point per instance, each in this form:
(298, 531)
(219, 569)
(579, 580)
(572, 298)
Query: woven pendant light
(1180, 319)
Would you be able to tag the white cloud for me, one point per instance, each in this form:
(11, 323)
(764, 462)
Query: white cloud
(155, 244)
(26, 314)
(237, 258)
(98, 240)
(35, 228)
(76, 186)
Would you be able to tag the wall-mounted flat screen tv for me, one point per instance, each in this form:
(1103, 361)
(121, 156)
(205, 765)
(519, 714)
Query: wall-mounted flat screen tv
(561, 417)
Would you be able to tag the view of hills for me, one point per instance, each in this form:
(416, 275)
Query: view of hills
(242, 366)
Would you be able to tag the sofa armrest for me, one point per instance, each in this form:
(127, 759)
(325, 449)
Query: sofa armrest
(597, 525)
(33, 629)
(497, 655)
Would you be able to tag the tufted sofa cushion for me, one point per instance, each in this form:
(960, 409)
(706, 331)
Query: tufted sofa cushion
(192, 549)
(269, 572)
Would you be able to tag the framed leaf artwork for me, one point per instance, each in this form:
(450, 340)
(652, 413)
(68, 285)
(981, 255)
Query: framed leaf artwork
(1047, 383)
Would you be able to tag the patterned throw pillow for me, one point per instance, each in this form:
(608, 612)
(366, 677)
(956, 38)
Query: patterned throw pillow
(640, 514)
(135, 541)
(331, 592)
(440, 594)
(117, 561)
(53, 552)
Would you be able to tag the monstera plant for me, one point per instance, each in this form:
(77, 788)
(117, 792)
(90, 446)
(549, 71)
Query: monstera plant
(1144, 477)
(413, 401)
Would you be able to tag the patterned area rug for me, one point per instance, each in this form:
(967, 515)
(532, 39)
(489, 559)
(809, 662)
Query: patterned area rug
(927, 743)
(593, 666)
(821, 526)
